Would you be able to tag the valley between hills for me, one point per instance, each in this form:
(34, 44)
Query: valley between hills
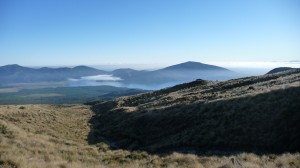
(248, 122)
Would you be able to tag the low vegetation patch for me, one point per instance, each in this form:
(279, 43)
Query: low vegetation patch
(8, 164)
(194, 126)
(5, 132)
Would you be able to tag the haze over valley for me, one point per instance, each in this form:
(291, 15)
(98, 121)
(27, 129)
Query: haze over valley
(126, 77)
(149, 84)
(200, 123)
(26, 77)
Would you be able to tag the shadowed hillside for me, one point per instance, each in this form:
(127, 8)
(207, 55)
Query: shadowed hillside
(280, 69)
(52, 136)
(187, 125)
(258, 114)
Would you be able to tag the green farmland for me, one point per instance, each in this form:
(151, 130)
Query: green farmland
(64, 95)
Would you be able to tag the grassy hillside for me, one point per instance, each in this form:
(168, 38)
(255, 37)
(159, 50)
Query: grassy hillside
(254, 114)
(55, 136)
(251, 122)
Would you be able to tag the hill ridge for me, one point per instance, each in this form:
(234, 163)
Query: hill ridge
(192, 65)
(207, 115)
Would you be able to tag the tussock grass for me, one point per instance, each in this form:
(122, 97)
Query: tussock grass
(56, 136)
(71, 136)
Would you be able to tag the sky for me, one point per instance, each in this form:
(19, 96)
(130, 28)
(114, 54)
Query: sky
(148, 32)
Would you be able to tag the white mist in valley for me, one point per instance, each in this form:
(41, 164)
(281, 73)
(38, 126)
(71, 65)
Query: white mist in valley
(158, 79)
(97, 80)
(110, 80)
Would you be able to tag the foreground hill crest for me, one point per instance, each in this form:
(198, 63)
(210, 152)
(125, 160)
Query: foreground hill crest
(247, 114)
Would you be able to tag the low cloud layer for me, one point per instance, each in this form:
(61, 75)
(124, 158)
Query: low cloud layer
(99, 78)
(252, 68)
(257, 64)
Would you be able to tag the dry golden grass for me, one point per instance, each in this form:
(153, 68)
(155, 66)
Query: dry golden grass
(38, 136)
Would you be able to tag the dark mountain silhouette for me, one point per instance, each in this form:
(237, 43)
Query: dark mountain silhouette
(18, 74)
(12, 69)
(279, 69)
(189, 71)
(248, 114)
(169, 76)
(175, 74)
(194, 66)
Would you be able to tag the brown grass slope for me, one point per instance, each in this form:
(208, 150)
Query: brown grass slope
(45, 136)
(259, 114)
(35, 136)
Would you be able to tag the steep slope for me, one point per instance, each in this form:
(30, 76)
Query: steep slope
(258, 114)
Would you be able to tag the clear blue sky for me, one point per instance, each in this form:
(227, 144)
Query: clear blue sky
(71, 32)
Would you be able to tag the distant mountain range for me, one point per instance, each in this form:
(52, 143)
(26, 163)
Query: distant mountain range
(179, 73)
(175, 74)
(18, 74)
